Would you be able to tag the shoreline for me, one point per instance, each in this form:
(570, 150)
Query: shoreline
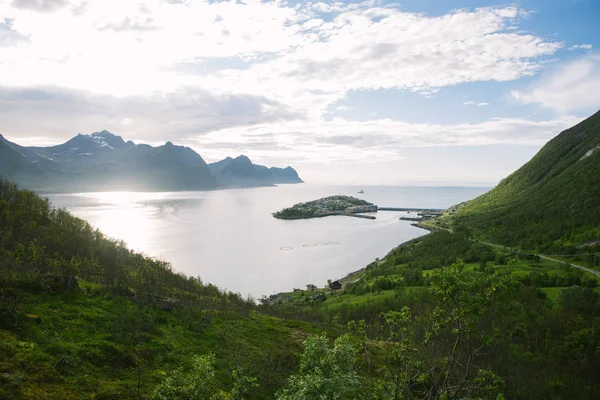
(352, 274)
(331, 214)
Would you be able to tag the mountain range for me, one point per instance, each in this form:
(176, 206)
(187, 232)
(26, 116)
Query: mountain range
(104, 161)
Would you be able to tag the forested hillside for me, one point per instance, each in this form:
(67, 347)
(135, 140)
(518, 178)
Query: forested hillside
(552, 202)
(81, 316)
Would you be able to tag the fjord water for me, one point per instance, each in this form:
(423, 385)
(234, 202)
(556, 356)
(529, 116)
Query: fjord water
(229, 238)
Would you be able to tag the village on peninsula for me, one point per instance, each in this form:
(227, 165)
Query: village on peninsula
(348, 206)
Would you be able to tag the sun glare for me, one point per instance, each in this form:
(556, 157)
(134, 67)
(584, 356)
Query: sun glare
(125, 216)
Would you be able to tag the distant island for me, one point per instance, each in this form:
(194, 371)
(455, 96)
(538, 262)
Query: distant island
(103, 161)
(332, 205)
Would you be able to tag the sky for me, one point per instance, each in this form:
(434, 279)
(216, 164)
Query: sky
(379, 92)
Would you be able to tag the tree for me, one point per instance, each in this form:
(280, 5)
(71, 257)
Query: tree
(194, 384)
(439, 353)
(333, 286)
(326, 373)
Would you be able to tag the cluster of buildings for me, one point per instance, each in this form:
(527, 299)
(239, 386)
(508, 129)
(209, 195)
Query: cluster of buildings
(333, 203)
(362, 209)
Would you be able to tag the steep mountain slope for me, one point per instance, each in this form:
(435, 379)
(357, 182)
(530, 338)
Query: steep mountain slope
(104, 161)
(284, 175)
(554, 198)
(166, 167)
(24, 164)
(13, 160)
(85, 149)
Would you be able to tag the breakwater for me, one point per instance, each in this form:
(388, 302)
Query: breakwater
(415, 219)
(356, 215)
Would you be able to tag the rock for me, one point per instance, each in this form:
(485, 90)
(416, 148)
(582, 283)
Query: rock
(320, 297)
(62, 283)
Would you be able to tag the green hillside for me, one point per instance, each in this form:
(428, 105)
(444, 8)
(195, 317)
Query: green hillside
(82, 316)
(553, 201)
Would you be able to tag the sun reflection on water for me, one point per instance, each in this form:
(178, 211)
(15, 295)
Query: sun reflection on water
(124, 216)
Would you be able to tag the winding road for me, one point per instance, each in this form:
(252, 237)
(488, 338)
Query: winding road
(581, 267)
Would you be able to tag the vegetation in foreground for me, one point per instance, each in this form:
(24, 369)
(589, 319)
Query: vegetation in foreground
(321, 207)
(517, 321)
(81, 316)
(84, 317)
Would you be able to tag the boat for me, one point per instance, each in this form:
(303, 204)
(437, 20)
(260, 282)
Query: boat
(361, 191)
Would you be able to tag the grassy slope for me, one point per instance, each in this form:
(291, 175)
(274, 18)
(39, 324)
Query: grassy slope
(555, 196)
(71, 346)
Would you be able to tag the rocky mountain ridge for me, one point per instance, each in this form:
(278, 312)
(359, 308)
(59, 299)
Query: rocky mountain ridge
(105, 161)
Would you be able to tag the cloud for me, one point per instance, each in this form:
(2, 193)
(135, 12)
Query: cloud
(572, 86)
(581, 46)
(473, 103)
(40, 5)
(290, 51)
(385, 48)
(62, 112)
(8, 36)
(381, 140)
(127, 25)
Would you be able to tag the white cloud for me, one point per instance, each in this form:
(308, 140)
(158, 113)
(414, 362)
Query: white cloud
(9, 36)
(174, 116)
(342, 140)
(572, 86)
(126, 47)
(473, 103)
(359, 51)
(581, 46)
(40, 5)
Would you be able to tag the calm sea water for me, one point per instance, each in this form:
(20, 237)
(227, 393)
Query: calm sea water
(230, 239)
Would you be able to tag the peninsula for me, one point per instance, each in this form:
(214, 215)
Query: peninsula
(332, 205)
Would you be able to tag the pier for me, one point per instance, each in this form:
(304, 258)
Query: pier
(423, 214)
(414, 219)
(357, 215)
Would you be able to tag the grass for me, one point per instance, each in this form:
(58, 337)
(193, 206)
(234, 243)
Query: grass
(67, 346)
(335, 302)
(582, 260)
(552, 293)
